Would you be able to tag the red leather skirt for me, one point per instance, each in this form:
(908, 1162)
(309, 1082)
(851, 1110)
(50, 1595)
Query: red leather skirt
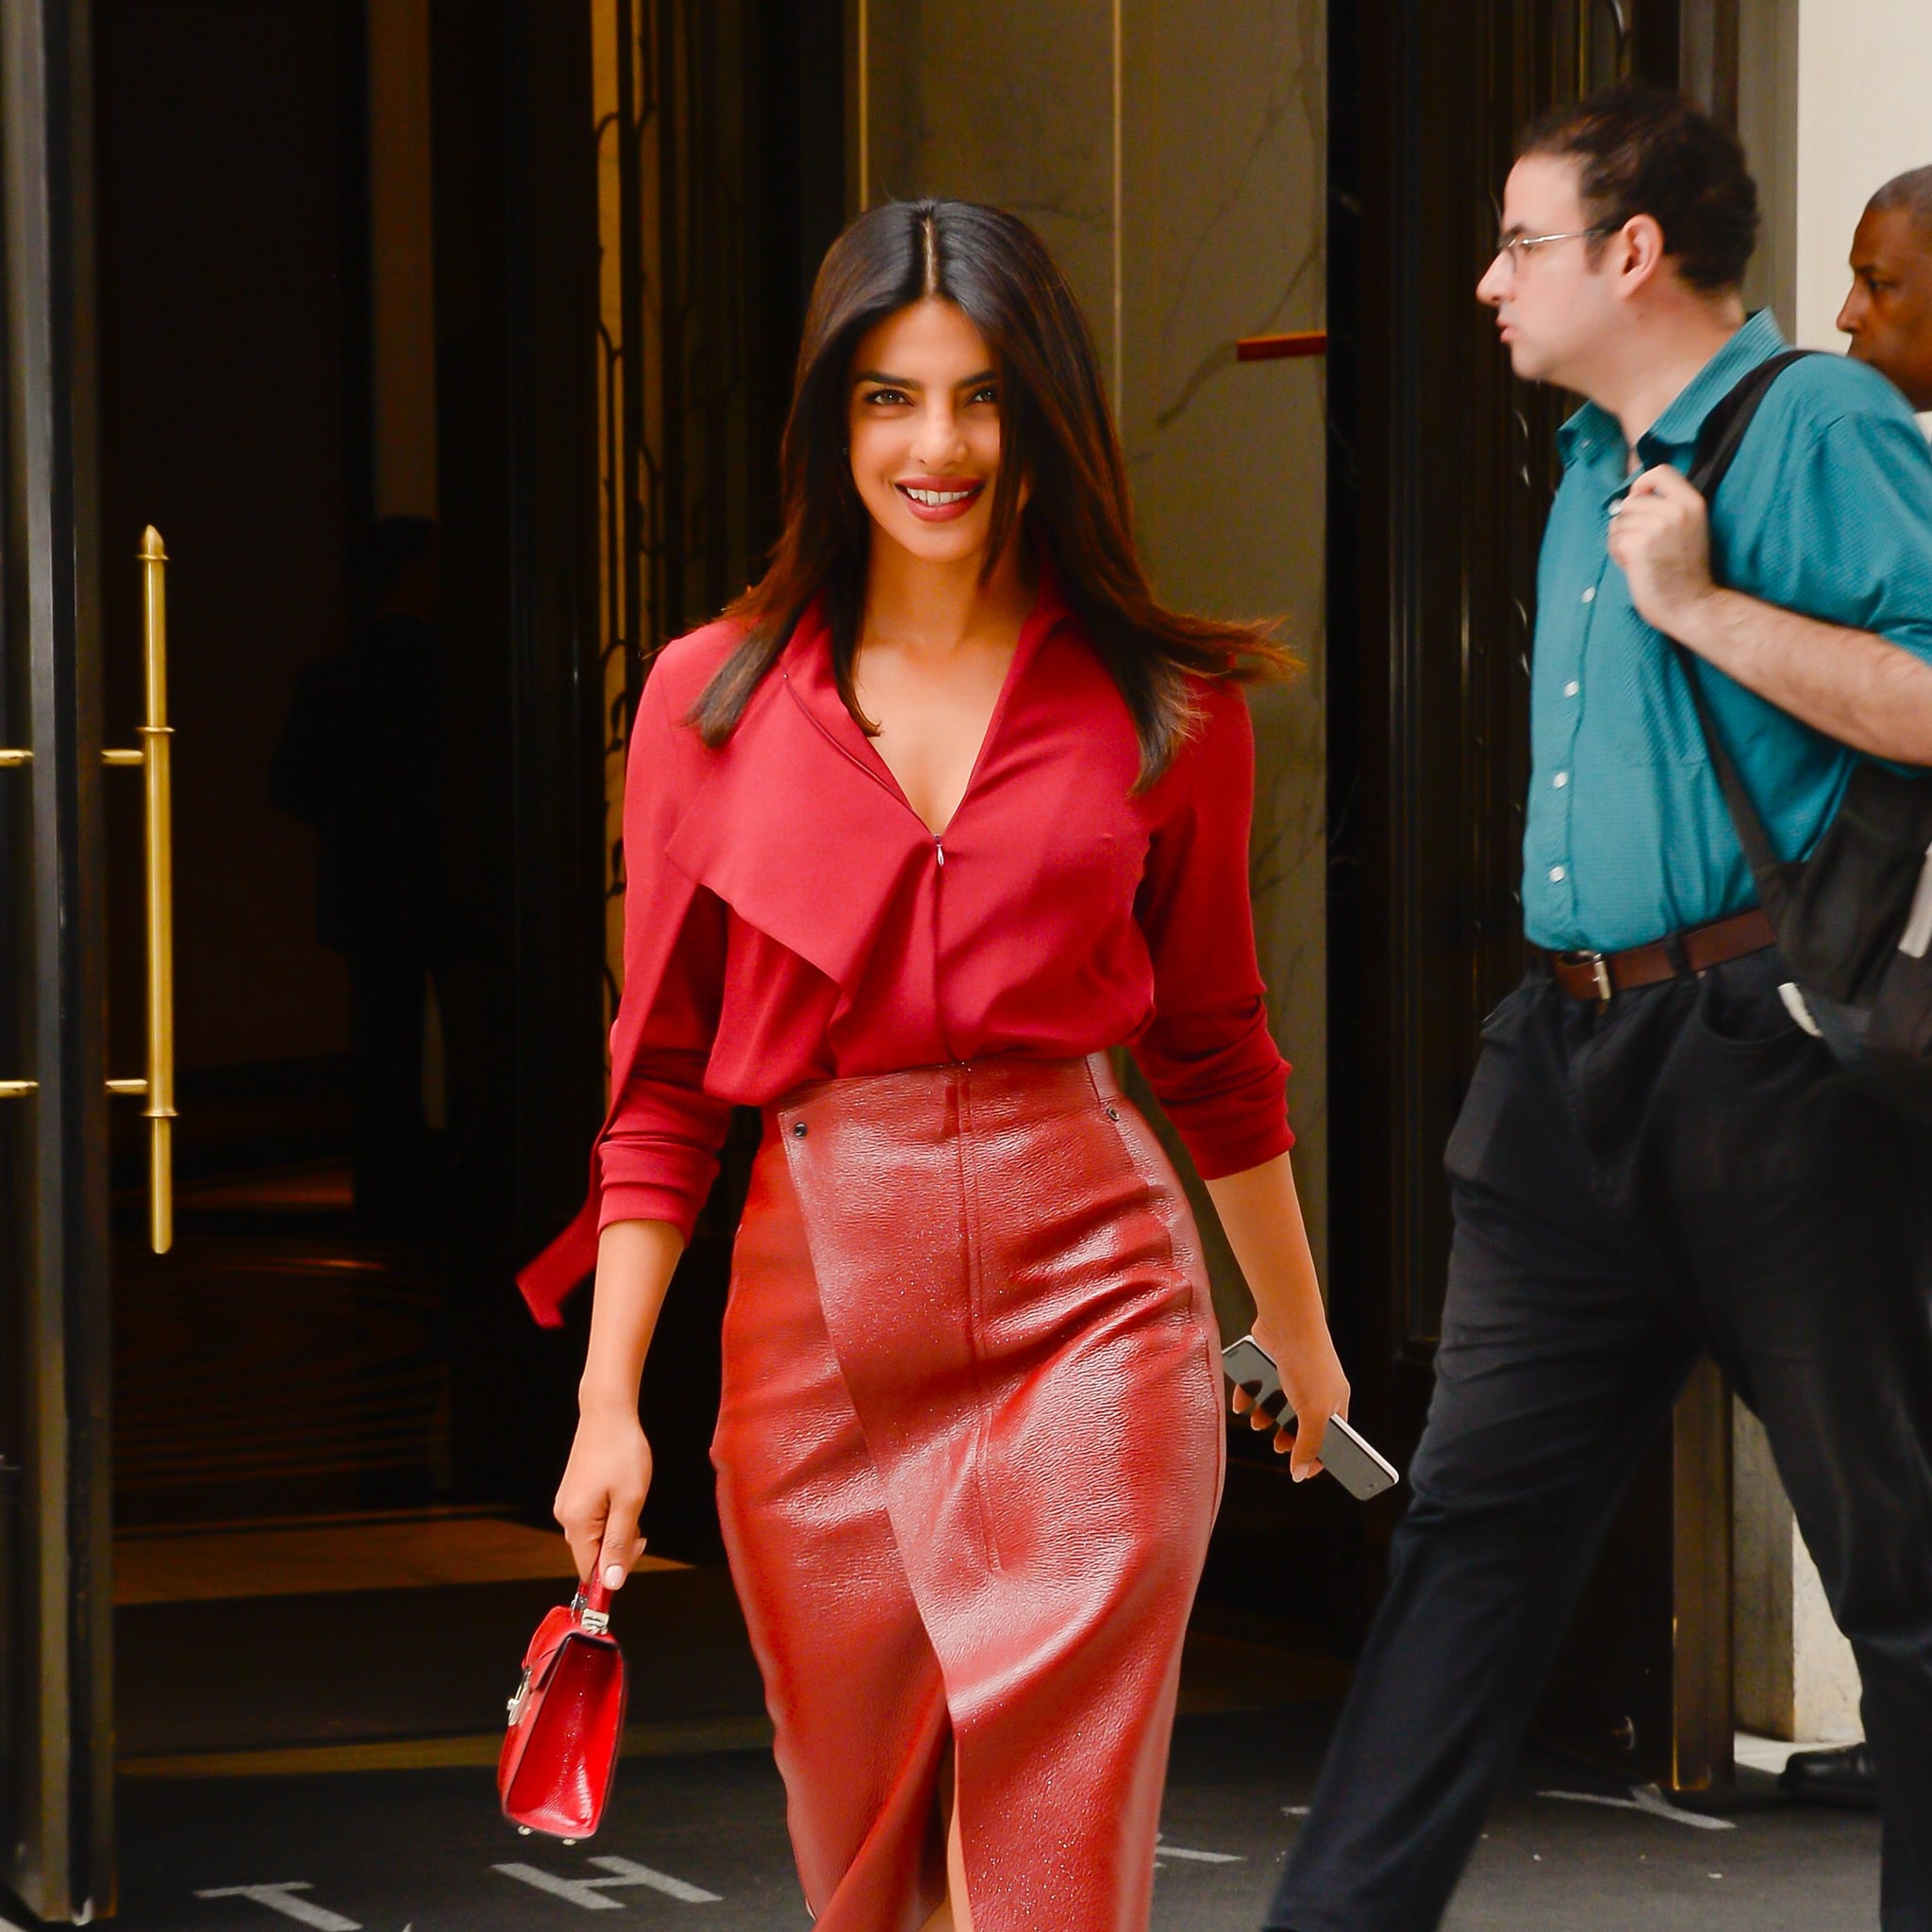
(969, 1453)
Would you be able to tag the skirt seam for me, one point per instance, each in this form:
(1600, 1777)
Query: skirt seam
(982, 1422)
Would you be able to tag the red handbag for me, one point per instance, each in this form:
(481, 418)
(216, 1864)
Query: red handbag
(565, 1722)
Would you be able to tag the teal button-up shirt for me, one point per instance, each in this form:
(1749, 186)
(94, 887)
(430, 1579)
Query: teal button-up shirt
(1826, 511)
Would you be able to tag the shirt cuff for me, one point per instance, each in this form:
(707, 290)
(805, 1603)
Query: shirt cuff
(1217, 1155)
(649, 1200)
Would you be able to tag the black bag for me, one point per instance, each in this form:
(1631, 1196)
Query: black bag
(1854, 919)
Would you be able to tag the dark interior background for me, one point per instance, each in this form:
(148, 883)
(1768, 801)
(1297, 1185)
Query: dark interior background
(234, 358)
(233, 238)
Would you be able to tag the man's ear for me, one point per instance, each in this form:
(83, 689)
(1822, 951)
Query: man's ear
(1637, 253)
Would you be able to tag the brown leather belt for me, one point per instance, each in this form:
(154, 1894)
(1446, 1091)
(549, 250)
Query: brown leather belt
(1598, 976)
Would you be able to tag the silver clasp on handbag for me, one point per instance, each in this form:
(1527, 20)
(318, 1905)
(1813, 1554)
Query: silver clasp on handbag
(516, 1703)
(596, 1622)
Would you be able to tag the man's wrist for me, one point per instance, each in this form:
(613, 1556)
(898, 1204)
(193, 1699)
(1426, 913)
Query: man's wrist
(1702, 624)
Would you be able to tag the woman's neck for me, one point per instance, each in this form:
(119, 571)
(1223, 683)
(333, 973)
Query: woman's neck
(910, 600)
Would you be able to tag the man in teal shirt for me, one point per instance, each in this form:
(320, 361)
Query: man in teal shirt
(1656, 1158)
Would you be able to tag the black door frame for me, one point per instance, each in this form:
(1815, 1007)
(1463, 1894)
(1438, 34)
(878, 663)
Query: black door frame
(513, 159)
(57, 1579)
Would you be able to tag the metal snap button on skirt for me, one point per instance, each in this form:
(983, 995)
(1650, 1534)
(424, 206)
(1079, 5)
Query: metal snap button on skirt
(969, 1452)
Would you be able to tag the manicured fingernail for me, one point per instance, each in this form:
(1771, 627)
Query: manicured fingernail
(613, 1576)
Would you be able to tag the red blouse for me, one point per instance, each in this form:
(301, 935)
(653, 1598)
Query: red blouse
(789, 916)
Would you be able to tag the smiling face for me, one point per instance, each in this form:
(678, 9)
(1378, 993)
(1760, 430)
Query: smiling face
(923, 428)
(1556, 304)
(1888, 312)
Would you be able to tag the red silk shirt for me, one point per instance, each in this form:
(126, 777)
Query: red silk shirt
(789, 916)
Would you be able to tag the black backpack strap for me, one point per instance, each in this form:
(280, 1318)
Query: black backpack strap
(1724, 428)
(1717, 447)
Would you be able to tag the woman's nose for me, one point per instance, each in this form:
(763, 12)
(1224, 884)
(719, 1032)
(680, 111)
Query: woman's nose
(938, 440)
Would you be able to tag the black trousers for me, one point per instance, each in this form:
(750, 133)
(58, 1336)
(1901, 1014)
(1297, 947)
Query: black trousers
(1686, 1171)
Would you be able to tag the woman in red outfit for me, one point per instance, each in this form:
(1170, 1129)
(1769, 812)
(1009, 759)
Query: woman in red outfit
(941, 811)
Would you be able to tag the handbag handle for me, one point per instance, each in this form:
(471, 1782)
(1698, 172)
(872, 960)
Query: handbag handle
(592, 1606)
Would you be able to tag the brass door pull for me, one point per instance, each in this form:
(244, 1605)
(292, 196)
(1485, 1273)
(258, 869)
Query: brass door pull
(157, 1087)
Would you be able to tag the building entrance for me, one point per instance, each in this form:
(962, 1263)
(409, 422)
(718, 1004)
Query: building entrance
(314, 292)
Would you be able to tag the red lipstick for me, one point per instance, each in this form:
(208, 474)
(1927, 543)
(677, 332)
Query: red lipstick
(938, 499)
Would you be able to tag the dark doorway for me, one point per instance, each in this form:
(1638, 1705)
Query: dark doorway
(234, 406)
(318, 248)
(356, 362)
(1442, 469)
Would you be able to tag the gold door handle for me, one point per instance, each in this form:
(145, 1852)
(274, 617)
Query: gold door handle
(157, 1088)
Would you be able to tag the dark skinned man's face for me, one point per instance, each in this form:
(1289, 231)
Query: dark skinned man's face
(1888, 312)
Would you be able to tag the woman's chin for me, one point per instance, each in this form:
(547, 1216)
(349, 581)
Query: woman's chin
(938, 543)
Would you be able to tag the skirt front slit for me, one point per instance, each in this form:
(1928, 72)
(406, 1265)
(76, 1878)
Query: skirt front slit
(969, 1453)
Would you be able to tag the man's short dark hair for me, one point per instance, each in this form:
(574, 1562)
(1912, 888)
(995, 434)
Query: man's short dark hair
(1908, 193)
(1643, 151)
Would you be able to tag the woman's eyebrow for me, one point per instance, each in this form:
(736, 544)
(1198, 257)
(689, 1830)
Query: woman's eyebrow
(878, 376)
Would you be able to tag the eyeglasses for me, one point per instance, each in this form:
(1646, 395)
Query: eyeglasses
(1516, 246)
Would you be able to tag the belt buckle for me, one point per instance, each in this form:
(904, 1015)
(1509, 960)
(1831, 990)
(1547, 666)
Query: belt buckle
(1598, 971)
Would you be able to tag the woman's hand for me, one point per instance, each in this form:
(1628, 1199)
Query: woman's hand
(1312, 1374)
(1263, 1220)
(609, 1477)
(603, 1493)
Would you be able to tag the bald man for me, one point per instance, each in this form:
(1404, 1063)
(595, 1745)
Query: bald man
(1888, 312)
(1889, 317)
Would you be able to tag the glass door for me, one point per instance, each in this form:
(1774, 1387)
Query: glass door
(56, 1711)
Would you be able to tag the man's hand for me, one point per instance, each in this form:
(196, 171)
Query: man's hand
(1852, 685)
(1660, 540)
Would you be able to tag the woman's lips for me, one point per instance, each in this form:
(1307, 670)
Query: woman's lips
(938, 502)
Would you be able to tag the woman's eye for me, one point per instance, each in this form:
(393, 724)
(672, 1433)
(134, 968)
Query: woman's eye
(885, 396)
(988, 395)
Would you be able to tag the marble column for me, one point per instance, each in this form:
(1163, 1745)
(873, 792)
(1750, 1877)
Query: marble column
(1178, 177)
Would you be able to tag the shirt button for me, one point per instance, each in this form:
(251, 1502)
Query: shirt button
(1571, 688)
(1561, 779)
(1589, 595)
(1557, 874)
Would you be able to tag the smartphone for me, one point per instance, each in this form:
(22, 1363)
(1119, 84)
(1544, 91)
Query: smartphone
(1347, 1454)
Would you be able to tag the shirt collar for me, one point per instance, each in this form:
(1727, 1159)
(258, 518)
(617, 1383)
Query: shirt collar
(1592, 432)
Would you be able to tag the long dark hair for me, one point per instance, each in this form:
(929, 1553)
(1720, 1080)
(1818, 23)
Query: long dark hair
(1055, 429)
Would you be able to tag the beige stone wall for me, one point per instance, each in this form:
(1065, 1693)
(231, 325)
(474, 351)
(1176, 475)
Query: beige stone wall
(1178, 176)
(1864, 78)
(1793, 1672)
